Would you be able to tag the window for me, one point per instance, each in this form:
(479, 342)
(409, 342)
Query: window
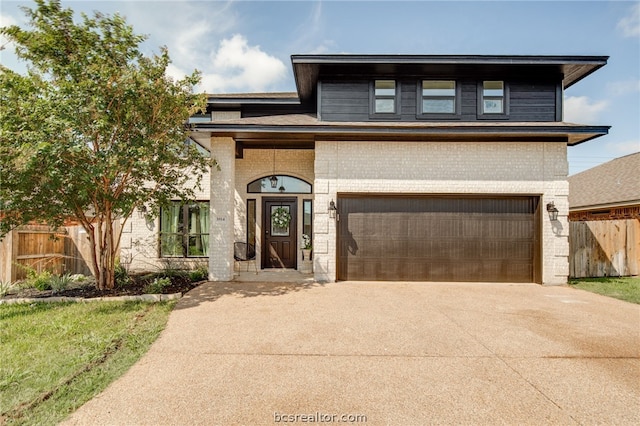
(384, 97)
(307, 218)
(251, 222)
(493, 97)
(184, 230)
(284, 185)
(438, 97)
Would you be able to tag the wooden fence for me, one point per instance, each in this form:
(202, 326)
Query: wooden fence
(604, 248)
(41, 248)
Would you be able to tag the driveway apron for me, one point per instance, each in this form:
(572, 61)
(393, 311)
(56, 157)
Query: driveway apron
(383, 353)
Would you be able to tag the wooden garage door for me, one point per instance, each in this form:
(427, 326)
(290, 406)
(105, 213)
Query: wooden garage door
(429, 238)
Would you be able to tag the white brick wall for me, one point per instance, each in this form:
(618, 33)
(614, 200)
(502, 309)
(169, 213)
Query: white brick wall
(258, 163)
(377, 167)
(139, 243)
(443, 168)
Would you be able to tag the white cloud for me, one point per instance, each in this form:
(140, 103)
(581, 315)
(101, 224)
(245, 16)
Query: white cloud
(5, 21)
(237, 66)
(623, 148)
(581, 109)
(626, 87)
(630, 24)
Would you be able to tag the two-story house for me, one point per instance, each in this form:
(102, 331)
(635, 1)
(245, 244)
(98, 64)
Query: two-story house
(399, 167)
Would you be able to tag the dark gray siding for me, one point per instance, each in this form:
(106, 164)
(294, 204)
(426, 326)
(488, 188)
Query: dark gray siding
(532, 101)
(348, 100)
(344, 101)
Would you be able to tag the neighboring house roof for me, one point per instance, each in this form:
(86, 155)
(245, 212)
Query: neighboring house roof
(612, 184)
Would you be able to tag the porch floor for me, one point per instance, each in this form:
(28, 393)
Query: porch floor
(272, 275)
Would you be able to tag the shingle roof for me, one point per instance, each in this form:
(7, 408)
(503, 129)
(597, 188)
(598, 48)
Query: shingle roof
(616, 182)
(309, 123)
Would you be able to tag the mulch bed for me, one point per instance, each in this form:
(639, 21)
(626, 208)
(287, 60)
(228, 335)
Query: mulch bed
(179, 284)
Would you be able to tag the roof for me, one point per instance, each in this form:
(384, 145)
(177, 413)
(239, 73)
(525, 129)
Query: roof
(612, 184)
(236, 99)
(307, 126)
(308, 68)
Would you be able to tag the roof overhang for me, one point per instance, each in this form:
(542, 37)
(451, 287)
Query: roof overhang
(286, 133)
(308, 69)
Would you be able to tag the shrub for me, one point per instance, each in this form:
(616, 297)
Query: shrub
(121, 275)
(60, 282)
(157, 285)
(39, 280)
(199, 274)
(5, 287)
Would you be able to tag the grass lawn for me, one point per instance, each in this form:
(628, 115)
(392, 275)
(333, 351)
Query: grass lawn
(624, 288)
(54, 357)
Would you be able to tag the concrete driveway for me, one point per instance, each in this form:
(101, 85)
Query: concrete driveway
(384, 353)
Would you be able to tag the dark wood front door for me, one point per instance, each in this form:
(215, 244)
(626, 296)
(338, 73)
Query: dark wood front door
(279, 243)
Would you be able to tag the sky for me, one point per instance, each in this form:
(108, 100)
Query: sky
(245, 46)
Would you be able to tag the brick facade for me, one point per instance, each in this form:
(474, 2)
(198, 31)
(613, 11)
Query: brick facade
(443, 168)
(538, 169)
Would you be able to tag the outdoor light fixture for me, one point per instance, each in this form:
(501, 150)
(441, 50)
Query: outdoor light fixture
(274, 178)
(142, 211)
(332, 209)
(274, 181)
(553, 211)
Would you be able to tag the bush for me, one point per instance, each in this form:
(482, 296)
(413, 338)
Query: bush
(199, 274)
(121, 276)
(157, 285)
(40, 281)
(60, 282)
(5, 287)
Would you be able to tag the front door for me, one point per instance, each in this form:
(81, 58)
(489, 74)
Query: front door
(279, 242)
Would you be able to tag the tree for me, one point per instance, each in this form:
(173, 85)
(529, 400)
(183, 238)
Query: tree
(93, 130)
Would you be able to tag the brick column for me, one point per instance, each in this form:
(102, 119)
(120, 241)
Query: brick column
(324, 228)
(221, 232)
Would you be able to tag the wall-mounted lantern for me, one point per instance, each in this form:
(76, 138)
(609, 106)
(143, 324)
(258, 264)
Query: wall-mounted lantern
(332, 209)
(274, 181)
(142, 212)
(553, 211)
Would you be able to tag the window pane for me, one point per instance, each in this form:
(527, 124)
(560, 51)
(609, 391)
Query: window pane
(493, 106)
(307, 217)
(385, 105)
(198, 245)
(251, 222)
(438, 106)
(198, 214)
(285, 185)
(439, 88)
(171, 245)
(385, 88)
(493, 88)
(171, 218)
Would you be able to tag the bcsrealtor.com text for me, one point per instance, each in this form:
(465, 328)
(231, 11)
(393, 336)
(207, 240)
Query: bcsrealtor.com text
(318, 418)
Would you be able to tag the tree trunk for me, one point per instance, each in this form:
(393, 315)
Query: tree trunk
(103, 253)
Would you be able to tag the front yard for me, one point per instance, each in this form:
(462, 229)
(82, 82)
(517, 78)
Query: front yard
(624, 288)
(54, 356)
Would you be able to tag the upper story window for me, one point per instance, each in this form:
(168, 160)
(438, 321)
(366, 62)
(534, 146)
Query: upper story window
(493, 97)
(384, 97)
(439, 97)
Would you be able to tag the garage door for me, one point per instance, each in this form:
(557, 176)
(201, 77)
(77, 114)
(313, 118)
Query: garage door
(438, 238)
